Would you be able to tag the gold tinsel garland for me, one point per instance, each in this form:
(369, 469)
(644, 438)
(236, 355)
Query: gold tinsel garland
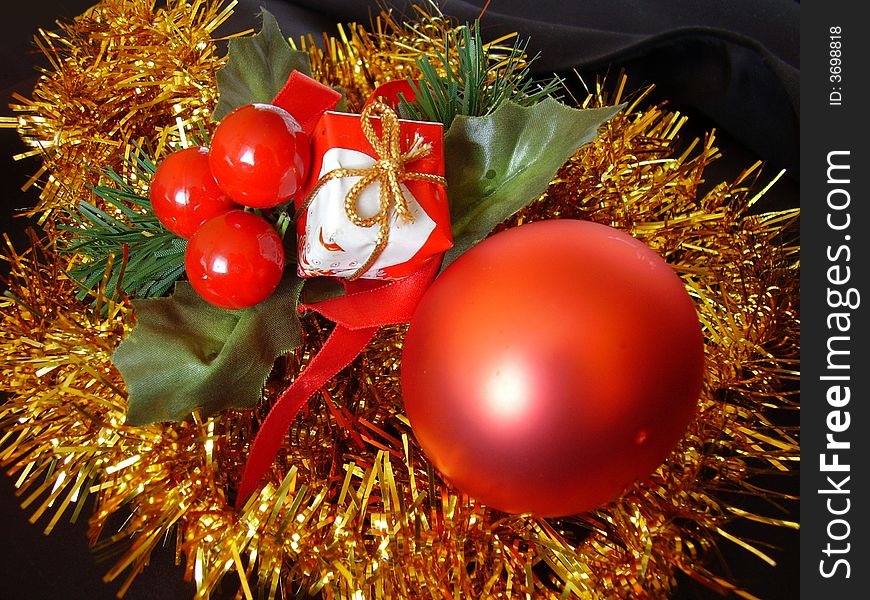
(122, 72)
(352, 508)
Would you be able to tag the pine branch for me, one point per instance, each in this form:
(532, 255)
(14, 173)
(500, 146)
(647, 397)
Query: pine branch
(129, 251)
(476, 84)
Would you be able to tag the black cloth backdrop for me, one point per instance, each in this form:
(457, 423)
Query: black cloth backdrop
(733, 66)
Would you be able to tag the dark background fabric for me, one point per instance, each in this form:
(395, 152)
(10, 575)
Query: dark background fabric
(733, 66)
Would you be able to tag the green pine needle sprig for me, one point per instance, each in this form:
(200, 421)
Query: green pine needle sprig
(476, 84)
(128, 252)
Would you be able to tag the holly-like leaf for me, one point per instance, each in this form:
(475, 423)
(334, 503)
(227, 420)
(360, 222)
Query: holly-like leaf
(497, 164)
(257, 68)
(185, 354)
(318, 289)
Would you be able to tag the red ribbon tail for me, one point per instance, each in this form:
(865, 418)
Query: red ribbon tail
(358, 316)
(390, 91)
(306, 99)
(342, 347)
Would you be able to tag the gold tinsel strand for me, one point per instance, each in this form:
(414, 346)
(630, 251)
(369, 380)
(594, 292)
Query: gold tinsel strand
(120, 72)
(352, 508)
(361, 58)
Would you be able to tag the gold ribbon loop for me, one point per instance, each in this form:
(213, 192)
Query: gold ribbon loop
(388, 170)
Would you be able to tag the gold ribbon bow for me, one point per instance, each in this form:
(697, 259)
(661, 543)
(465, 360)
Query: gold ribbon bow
(388, 170)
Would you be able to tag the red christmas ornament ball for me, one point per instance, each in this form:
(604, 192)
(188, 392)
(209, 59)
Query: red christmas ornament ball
(551, 366)
(184, 194)
(235, 260)
(259, 155)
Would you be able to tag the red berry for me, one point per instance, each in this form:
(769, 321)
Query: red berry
(259, 155)
(235, 260)
(184, 194)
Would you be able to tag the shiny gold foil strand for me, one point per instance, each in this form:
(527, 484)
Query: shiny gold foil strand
(359, 58)
(122, 71)
(63, 424)
(64, 407)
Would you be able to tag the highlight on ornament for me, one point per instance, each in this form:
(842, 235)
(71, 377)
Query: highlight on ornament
(386, 316)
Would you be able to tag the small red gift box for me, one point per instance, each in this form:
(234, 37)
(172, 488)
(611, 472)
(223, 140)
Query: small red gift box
(400, 233)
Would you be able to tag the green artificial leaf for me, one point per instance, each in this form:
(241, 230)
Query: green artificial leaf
(185, 353)
(497, 164)
(257, 68)
(318, 289)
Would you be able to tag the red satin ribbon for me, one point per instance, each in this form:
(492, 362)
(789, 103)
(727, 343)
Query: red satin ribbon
(357, 315)
(389, 92)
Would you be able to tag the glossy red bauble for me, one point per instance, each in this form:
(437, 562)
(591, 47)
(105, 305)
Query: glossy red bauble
(235, 260)
(184, 194)
(551, 366)
(259, 155)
